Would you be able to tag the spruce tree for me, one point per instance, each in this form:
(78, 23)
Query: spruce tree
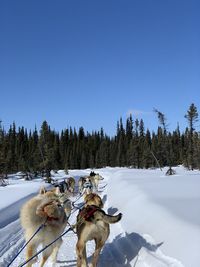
(2, 158)
(147, 156)
(192, 118)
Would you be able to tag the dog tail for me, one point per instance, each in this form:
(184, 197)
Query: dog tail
(111, 219)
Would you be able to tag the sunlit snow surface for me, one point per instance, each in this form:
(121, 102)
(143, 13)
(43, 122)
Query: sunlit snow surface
(160, 225)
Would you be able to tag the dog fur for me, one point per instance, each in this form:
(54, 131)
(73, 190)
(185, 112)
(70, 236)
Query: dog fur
(45, 207)
(71, 184)
(94, 227)
(87, 186)
(81, 181)
(94, 184)
(95, 180)
(93, 199)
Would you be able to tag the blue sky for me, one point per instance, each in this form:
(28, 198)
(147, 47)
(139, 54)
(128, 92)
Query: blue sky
(88, 63)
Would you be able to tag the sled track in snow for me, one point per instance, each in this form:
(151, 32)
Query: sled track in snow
(11, 240)
(121, 249)
(11, 234)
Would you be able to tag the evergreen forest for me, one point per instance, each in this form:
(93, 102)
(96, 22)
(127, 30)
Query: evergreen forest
(132, 146)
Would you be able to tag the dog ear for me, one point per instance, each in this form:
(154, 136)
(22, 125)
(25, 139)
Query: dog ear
(42, 190)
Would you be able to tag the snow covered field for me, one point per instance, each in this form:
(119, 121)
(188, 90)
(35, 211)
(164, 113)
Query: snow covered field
(160, 225)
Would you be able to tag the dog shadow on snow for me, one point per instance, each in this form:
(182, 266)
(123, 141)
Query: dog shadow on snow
(120, 252)
(112, 211)
(123, 249)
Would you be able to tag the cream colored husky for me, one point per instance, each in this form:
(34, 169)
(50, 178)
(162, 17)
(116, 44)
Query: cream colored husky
(49, 208)
(92, 224)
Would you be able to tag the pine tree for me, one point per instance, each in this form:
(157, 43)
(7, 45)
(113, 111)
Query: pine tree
(45, 147)
(164, 143)
(129, 128)
(2, 158)
(175, 146)
(192, 118)
(147, 156)
(162, 119)
(121, 151)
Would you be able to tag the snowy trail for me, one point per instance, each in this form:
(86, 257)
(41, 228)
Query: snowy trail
(122, 249)
(11, 241)
(11, 213)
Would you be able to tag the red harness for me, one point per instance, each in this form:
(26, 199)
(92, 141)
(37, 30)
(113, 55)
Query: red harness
(88, 212)
(52, 219)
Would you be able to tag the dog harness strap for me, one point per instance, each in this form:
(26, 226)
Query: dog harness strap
(87, 184)
(52, 219)
(87, 212)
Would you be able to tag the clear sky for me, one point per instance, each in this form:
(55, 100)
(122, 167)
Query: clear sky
(88, 62)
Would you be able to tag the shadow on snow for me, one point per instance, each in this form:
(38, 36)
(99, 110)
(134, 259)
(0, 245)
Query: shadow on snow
(123, 249)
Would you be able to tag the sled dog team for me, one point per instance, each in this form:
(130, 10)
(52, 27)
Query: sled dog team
(86, 184)
(52, 209)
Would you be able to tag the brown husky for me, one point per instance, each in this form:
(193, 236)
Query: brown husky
(45, 207)
(93, 199)
(71, 184)
(92, 224)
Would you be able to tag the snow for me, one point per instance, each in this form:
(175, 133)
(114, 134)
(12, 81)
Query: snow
(160, 226)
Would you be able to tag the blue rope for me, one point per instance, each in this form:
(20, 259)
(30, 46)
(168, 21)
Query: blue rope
(39, 228)
(77, 198)
(24, 263)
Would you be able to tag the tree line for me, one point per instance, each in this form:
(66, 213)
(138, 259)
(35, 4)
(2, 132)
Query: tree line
(131, 146)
